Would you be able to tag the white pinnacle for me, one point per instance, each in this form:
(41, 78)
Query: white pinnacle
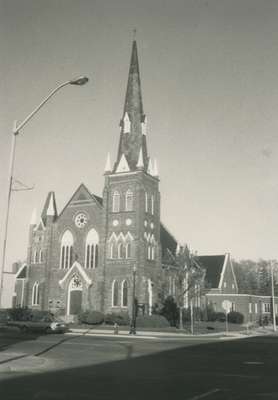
(51, 209)
(150, 167)
(155, 168)
(123, 165)
(33, 220)
(108, 164)
(140, 163)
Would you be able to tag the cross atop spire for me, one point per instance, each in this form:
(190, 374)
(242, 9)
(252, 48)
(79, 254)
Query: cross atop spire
(133, 117)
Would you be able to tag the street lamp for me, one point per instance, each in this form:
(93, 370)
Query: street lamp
(80, 81)
(273, 297)
(132, 330)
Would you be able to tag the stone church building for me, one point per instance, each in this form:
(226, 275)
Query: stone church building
(87, 256)
(92, 254)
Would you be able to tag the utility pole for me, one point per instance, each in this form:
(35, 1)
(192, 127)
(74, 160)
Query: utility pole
(273, 297)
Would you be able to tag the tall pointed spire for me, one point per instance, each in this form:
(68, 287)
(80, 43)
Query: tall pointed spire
(133, 98)
(133, 137)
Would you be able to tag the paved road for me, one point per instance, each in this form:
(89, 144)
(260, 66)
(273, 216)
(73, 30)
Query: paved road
(55, 367)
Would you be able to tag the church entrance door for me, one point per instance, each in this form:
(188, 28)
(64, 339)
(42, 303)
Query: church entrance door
(75, 295)
(75, 301)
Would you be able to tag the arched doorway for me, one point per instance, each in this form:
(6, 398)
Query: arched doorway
(75, 295)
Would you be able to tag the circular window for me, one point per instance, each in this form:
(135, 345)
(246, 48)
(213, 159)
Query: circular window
(81, 220)
(128, 221)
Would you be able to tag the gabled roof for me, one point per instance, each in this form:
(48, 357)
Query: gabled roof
(78, 267)
(82, 196)
(22, 272)
(213, 266)
(168, 245)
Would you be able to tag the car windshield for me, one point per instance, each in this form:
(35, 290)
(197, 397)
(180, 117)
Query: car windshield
(42, 318)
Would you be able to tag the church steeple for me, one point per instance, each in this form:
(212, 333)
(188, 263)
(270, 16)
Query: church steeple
(133, 122)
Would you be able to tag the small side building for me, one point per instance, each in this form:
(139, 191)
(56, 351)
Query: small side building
(221, 284)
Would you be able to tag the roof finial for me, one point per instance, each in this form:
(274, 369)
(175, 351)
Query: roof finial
(134, 34)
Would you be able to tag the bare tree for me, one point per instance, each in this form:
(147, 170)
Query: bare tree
(189, 276)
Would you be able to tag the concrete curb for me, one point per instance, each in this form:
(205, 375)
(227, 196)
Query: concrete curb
(152, 335)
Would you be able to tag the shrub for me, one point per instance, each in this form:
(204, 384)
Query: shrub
(264, 320)
(235, 317)
(152, 321)
(217, 316)
(121, 318)
(170, 311)
(19, 313)
(91, 317)
(210, 313)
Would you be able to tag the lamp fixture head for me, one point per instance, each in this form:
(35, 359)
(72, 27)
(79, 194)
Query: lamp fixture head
(82, 80)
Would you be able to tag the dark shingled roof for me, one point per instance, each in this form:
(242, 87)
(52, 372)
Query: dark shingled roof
(22, 272)
(99, 199)
(213, 266)
(168, 245)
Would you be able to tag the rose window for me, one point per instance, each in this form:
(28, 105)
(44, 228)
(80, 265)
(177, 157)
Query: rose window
(81, 220)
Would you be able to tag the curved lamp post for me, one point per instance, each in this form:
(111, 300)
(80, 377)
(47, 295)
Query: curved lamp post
(80, 81)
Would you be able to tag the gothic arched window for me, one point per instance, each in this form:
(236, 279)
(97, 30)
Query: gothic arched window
(121, 252)
(112, 250)
(149, 252)
(153, 252)
(146, 202)
(35, 257)
(124, 296)
(152, 204)
(35, 294)
(91, 255)
(128, 250)
(41, 256)
(116, 201)
(115, 294)
(66, 254)
(129, 200)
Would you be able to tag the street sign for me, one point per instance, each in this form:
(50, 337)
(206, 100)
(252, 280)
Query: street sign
(227, 305)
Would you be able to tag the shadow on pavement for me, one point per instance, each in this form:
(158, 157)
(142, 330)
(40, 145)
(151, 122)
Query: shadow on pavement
(215, 371)
(10, 336)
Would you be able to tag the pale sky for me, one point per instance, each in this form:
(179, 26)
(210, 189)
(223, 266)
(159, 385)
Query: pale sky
(209, 73)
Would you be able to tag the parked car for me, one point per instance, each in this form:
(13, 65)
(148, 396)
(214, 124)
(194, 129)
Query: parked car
(39, 321)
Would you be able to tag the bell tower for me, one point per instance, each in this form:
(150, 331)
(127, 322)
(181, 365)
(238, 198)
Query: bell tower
(131, 209)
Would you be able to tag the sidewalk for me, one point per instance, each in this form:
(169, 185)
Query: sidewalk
(151, 334)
